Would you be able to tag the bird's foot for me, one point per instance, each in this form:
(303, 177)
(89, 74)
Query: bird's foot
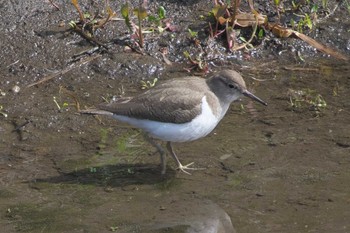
(183, 168)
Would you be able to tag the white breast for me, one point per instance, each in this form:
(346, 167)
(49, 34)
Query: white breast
(199, 127)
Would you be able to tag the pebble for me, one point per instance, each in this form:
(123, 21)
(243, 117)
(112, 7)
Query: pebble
(15, 89)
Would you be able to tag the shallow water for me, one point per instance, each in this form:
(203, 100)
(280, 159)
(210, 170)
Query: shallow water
(280, 168)
(271, 169)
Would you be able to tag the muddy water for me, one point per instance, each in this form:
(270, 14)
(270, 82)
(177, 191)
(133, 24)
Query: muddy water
(280, 168)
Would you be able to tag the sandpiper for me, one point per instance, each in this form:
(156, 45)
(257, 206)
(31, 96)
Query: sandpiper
(179, 110)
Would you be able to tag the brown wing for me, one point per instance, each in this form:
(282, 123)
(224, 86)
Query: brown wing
(165, 104)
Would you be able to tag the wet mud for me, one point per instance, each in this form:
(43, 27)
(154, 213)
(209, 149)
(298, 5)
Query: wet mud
(280, 168)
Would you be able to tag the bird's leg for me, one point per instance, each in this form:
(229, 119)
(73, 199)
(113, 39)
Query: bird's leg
(180, 166)
(160, 151)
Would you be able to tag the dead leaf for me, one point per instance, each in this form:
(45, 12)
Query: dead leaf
(249, 19)
(320, 46)
(283, 32)
(279, 31)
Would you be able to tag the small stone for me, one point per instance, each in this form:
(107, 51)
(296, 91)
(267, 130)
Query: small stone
(108, 189)
(15, 89)
(225, 156)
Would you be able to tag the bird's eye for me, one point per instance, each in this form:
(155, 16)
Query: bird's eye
(232, 86)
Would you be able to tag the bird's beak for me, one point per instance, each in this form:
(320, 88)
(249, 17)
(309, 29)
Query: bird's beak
(253, 97)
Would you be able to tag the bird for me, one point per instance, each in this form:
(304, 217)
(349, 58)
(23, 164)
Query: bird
(179, 110)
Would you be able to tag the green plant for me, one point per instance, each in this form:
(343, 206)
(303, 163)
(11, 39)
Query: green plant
(314, 9)
(307, 21)
(242, 109)
(157, 18)
(198, 64)
(114, 229)
(277, 5)
(295, 6)
(192, 34)
(248, 44)
(148, 84)
(87, 23)
(141, 14)
(261, 33)
(60, 107)
(219, 14)
(306, 98)
(300, 26)
(93, 169)
(125, 14)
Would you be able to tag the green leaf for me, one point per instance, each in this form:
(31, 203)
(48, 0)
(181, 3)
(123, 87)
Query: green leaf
(261, 33)
(125, 11)
(87, 15)
(314, 8)
(152, 18)
(187, 54)
(140, 12)
(218, 11)
(308, 21)
(161, 12)
(292, 23)
(300, 26)
(192, 33)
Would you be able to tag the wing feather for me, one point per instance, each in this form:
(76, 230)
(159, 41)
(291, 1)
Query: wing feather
(166, 104)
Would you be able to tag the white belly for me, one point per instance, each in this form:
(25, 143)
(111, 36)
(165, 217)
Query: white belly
(199, 127)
